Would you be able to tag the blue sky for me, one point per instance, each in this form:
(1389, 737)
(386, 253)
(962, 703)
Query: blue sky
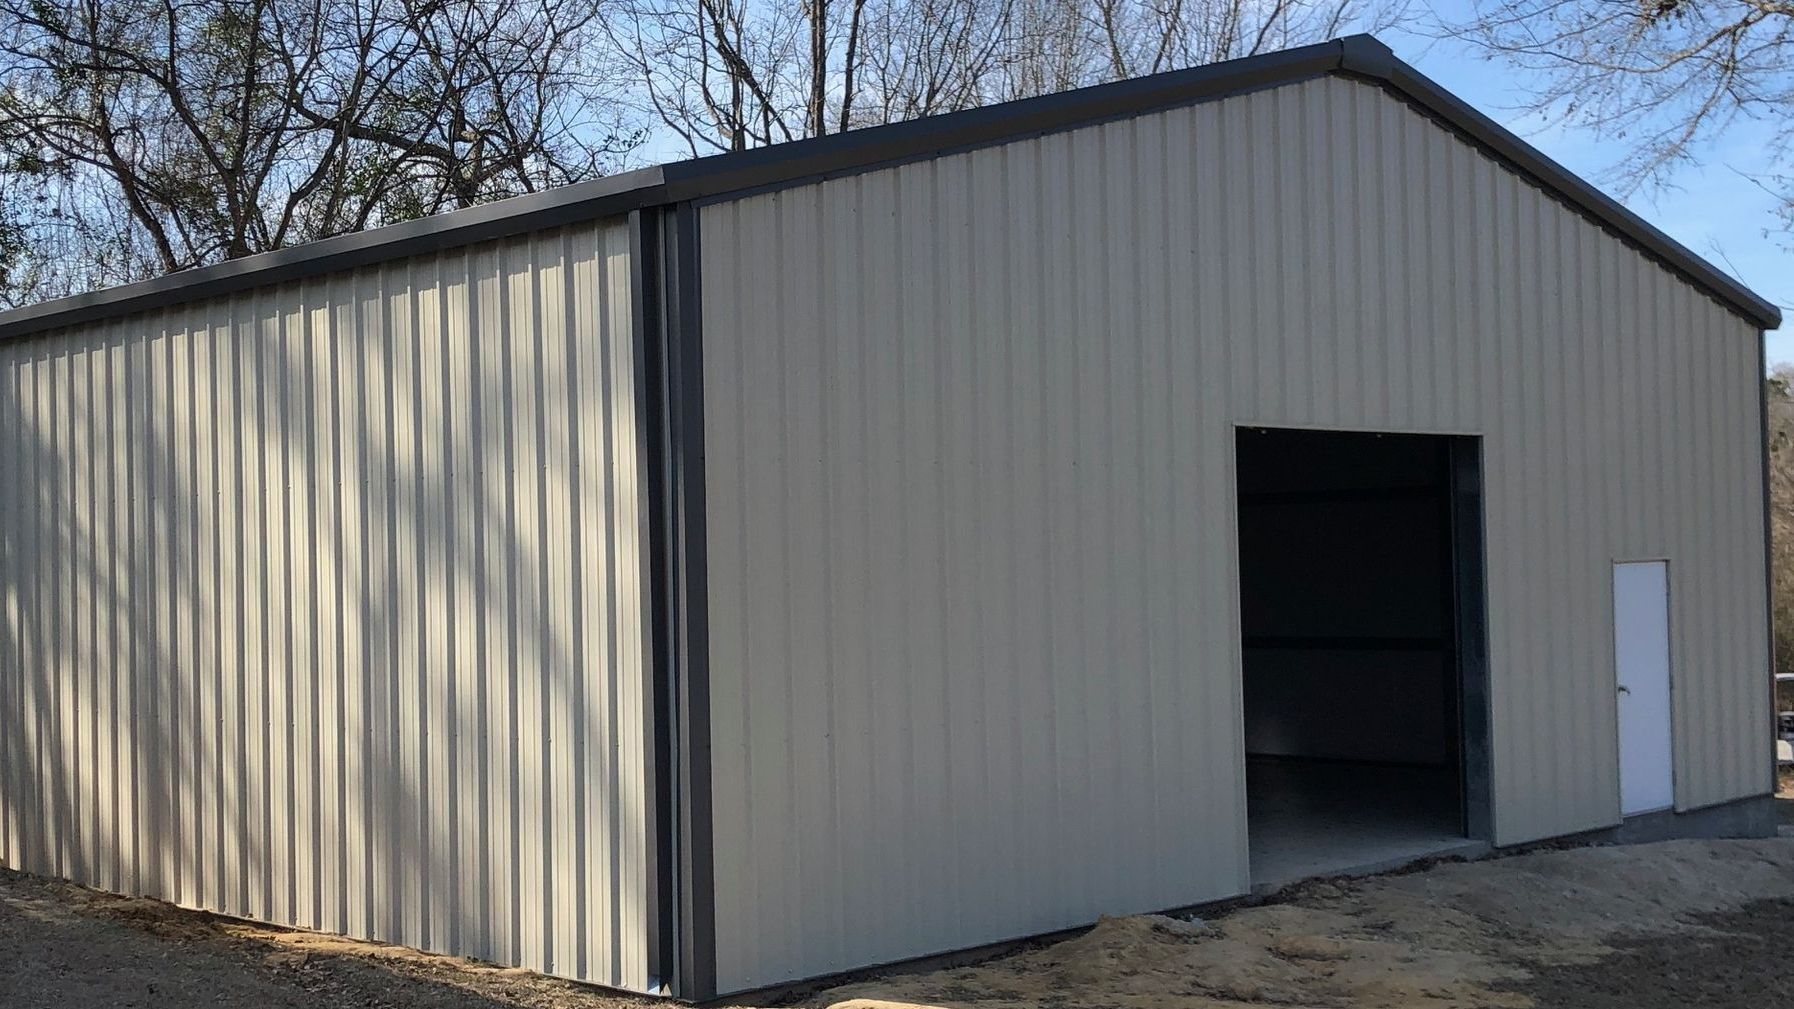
(1706, 207)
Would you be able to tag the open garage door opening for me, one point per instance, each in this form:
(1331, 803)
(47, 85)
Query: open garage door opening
(1361, 611)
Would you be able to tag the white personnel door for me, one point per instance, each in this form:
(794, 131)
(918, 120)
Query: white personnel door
(1641, 660)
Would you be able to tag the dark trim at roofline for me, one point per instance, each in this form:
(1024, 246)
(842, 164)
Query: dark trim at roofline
(611, 196)
(721, 175)
(1458, 114)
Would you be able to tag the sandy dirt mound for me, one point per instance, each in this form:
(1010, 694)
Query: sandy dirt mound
(1454, 936)
(1651, 927)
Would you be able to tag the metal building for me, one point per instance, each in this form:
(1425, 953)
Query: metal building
(778, 563)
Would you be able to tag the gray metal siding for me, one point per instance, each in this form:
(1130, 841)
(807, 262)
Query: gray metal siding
(973, 657)
(323, 605)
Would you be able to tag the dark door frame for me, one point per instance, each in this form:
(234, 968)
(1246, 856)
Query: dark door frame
(1468, 587)
(1470, 628)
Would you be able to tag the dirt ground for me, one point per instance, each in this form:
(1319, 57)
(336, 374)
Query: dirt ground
(1669, 925)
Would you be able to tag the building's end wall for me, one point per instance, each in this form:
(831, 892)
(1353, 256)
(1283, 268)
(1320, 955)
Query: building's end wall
(323, 606)
(974, 651)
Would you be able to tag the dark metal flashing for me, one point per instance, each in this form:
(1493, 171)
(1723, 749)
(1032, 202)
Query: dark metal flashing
(681, 519)
(734, 174)
(1754, 816)
(1459, 116)
(607, 197)
(1768, 555)
(664, 294)
(976, 144)
(1367, 56)
(1471, 628)
(805, 162)
(663, 245)
(645, 296)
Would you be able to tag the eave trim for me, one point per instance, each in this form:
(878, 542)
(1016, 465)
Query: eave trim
(742, 172)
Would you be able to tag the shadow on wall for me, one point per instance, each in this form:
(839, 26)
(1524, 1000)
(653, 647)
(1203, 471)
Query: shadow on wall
(321, 607)
(56, 933)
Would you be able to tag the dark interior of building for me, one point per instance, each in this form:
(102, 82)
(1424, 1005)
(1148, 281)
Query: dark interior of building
(1352, 686)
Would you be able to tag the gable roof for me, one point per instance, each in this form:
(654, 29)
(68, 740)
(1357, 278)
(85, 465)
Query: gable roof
(724, 175)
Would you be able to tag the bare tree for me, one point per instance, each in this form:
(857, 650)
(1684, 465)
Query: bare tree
(146, 136)
(472, 101)
(724, 74)
(919, 57)
(1665, 76)
(158, 135)
(1781, 514)
(729, 74)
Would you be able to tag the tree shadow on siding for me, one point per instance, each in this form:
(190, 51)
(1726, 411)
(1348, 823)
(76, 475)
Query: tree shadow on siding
(316, 566)
(104, 627)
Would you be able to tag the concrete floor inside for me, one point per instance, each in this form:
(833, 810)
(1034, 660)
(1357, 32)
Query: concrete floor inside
(1326, 817)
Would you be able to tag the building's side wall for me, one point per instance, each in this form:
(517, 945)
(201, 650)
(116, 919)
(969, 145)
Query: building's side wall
(322, 605)
(973, 655)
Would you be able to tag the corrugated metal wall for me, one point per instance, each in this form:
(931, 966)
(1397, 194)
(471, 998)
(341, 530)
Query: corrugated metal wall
(974, 666)
(322, 605)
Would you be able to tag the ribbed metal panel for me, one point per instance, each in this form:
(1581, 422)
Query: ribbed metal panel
(323, 606)
(974, 662)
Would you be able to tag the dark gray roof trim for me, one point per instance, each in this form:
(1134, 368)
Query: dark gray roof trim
(862, 150)
(585, 201)
(1457, 114)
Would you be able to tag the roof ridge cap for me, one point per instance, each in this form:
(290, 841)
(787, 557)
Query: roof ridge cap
(1367, 55)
